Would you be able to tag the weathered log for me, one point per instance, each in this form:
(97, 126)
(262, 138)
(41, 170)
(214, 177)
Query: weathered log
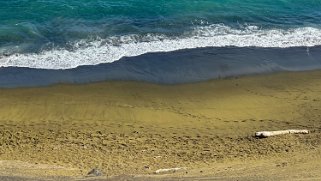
(168, 170)
(265, 134)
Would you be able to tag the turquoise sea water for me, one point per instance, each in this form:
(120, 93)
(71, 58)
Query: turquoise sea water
(63, 34)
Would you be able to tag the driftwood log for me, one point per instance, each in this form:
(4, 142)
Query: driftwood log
(168, 170)
(265, 134)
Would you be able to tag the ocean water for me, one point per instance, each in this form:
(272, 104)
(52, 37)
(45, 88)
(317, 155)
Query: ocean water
(67, 34)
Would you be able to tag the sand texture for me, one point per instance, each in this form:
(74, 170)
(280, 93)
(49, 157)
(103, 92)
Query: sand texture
(133, 128)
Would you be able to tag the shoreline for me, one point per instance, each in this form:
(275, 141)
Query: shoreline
(177, 67)
(136, 128)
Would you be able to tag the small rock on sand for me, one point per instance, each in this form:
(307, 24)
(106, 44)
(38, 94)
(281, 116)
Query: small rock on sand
(95, 172)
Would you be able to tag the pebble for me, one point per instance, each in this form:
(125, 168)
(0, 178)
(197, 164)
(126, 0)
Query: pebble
(95, 172)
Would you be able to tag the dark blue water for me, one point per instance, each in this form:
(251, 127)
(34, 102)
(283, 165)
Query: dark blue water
(183, 66)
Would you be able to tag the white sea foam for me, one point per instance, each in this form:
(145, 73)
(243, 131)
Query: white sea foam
(114, 48)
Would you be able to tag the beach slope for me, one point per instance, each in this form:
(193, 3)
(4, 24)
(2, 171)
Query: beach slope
(136, 128)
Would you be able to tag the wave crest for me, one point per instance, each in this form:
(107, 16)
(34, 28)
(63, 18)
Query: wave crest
(108, 50)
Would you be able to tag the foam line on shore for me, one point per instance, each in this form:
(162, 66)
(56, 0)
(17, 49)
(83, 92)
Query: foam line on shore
(183, 66)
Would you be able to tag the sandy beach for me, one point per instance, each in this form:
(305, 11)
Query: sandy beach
(133, 129)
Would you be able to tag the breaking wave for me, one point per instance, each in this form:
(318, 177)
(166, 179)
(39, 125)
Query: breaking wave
(92, 52)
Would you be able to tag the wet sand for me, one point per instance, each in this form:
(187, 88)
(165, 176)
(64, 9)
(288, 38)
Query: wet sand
(133, 128)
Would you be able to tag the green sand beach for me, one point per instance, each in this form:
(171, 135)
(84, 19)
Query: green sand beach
(133, 129)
